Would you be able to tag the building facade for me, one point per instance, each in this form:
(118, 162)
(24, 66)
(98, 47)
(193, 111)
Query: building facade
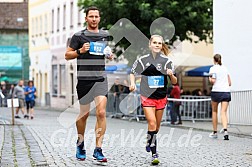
(14, 56)
(52, 23)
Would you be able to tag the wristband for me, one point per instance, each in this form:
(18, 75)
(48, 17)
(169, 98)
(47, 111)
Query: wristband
(78, 51)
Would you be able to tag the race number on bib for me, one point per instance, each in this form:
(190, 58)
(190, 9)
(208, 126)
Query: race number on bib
(156, 81)
(96, 48)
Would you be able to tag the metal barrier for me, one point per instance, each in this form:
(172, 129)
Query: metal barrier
(129, 105)
(240, 108)
(196, 108)
(125, 106)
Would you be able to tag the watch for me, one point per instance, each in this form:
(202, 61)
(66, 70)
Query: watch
(78, 51)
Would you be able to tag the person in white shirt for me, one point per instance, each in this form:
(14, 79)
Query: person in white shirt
(220, 78)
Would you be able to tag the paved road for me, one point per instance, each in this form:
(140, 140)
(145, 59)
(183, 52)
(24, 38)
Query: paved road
(45, 141)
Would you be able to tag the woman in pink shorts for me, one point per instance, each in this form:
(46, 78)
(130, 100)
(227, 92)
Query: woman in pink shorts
(155, 68)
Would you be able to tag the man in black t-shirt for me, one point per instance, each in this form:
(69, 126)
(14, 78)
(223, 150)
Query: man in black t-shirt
(89, 46)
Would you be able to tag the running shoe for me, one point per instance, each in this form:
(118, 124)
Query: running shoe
(148, 149)
(98, 156)
(80, 151)
(155, 160)
(213, 135)
(225, 137)
(222, 130)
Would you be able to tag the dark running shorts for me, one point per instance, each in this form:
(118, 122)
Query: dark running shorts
(221, 96)
(30, 104)
(88, 90)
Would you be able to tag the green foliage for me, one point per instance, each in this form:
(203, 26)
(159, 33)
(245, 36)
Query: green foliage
(190, 17)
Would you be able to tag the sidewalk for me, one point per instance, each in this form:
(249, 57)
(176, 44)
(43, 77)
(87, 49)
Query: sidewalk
(236, 130)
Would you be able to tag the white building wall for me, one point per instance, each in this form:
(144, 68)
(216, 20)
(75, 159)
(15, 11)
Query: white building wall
(39, 50)
(58, 41)
(232, 39)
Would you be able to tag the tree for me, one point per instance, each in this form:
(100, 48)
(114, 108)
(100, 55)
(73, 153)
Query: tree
(190, 17)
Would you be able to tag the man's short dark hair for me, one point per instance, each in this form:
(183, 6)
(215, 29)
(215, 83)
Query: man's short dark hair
(91, 8)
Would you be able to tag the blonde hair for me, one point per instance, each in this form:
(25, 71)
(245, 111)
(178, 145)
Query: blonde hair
(165, 50)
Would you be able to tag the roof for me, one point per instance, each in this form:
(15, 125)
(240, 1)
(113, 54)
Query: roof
(14, 15)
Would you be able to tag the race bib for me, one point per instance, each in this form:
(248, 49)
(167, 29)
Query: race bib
(96, 48)
(156, 81)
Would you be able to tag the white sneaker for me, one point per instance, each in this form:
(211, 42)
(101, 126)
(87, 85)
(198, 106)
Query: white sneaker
(213, 135)
(222, 130)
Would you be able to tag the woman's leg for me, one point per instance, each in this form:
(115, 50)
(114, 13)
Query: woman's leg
(224, 119)
(159, 115)
(152, 127)
(149, 113)
(214, 115)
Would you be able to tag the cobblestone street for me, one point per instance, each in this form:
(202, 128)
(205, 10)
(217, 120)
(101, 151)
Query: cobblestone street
(45, 142)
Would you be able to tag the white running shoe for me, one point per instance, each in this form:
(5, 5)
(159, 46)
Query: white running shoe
(213, 135)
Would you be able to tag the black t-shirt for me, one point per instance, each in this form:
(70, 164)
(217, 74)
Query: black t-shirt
(90, 66)
(154, 76)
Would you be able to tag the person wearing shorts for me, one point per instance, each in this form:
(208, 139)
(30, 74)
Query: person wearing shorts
(220, 93)
(30, 95)
(87, 47)
(18, 92)
(155, 68)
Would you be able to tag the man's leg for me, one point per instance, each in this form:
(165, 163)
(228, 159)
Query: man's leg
(100, 127)
(17, 111)
(81, 121)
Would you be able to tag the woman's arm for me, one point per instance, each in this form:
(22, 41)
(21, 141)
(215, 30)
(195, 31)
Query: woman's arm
(229, 80)
(132, 86)
(172, 77)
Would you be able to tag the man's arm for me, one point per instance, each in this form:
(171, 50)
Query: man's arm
(14, 92)
(72, 53)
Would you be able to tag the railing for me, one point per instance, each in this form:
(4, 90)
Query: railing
(195, 108)
(240, 108)
(129, 105)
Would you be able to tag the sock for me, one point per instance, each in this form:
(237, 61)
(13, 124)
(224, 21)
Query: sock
(225, 130)
(214, 131)
(152, 141)
(96, 148)
(80, 142)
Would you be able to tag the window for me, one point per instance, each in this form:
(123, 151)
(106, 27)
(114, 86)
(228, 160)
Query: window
(40, 25)
(71, 15)
(62, 80)
(58, 19)
(52, 20)
(37, 27)
(33, 27)
(54, 80)
(45, 24)
(79, 15)
(64, 17)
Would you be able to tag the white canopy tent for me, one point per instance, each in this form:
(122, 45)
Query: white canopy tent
(190, 60)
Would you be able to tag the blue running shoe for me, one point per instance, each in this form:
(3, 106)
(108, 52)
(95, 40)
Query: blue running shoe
(148, 149)
(98, 156)
(80, 151)
(155, 160)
